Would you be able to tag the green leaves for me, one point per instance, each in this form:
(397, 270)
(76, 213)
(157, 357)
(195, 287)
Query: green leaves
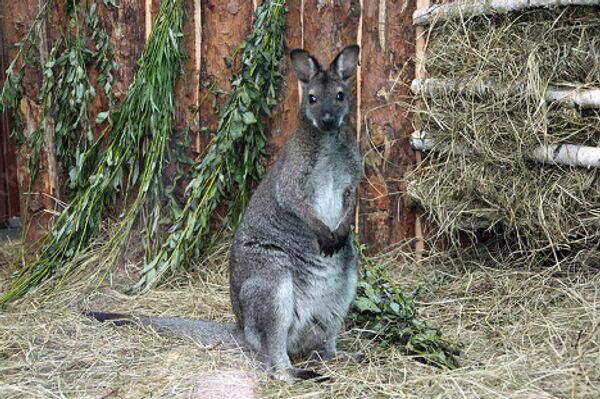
(381, 311)
(66, 92)
(233, 161)
(137, 148)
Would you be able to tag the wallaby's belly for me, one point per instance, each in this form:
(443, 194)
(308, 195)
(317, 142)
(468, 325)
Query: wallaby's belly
(322, 299)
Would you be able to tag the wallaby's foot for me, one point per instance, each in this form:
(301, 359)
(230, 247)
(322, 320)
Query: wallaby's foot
(340, 356)
(291, 375)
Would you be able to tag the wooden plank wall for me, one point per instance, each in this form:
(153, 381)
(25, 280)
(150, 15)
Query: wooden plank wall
(9, 186)
(215, 28)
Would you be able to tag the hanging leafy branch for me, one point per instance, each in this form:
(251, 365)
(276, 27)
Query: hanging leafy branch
(66, 91)
(131, 163)
(13, 88)
(233, 160)
(380, 310)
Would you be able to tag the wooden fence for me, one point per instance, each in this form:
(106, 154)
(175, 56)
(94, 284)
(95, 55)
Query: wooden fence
(214, 29)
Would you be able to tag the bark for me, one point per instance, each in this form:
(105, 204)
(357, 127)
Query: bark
(568, 97)
(387, 214)
(225, 24)
(285, 114)
(36, 203)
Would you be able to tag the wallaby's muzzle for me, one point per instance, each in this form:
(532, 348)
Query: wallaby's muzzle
(328, 121)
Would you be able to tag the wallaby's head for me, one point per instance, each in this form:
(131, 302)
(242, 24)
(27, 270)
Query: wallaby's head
(326, 99)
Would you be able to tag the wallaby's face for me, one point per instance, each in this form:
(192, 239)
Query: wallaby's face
(326, 99)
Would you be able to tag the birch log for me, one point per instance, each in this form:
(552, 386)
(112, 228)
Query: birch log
(568, 154)
(469, 8)
(420, 46)
(556, 154)
(569, 97)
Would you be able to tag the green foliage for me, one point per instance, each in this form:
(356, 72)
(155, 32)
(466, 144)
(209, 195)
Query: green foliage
(381, 311)
(66, 91)
(131, 163)
(13, 88)
(233, 160)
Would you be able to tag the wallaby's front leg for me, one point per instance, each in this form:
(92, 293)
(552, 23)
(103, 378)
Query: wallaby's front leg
(341, 232)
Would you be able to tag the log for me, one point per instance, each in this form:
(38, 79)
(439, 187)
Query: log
(49, 133)
(568, 154)
(420, 46)
(225, 25)
(387, 215)
(574, 97)
(470, 8)
(555, 154)
(285, 115)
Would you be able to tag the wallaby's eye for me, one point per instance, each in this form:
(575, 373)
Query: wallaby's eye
(340, 96)
(312, 99)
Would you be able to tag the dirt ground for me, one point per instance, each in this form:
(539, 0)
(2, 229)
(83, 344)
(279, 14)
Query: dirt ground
(526, 334)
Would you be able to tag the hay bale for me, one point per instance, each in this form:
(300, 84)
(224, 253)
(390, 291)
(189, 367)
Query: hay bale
(479, 172)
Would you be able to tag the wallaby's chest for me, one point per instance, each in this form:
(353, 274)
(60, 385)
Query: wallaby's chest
(329, 181)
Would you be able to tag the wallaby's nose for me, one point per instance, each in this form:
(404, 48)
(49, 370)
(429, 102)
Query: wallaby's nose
(327, 120)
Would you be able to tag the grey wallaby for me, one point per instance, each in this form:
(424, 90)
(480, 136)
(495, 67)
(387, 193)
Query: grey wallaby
(293, 263)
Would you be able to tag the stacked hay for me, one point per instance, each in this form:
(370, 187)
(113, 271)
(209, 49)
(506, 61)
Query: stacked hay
(487, 109)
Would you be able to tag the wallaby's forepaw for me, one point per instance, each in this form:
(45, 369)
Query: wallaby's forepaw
(291, 375)
(332, 243)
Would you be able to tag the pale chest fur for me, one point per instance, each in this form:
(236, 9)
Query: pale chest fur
(329, 182)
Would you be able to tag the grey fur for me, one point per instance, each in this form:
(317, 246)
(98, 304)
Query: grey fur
(293, 263)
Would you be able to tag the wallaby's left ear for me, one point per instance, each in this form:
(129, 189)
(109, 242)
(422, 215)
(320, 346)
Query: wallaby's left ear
(344, 64)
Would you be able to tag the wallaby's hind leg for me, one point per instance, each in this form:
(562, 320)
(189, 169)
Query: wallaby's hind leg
(267, 313)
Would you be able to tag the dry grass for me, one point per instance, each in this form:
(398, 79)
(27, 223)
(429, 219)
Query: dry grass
(527, 334)
(479, 174)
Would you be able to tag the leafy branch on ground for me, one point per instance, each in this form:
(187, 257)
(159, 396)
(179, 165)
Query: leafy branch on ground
(380, 310)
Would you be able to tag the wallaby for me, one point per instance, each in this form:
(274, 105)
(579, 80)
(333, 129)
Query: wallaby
(293, 263)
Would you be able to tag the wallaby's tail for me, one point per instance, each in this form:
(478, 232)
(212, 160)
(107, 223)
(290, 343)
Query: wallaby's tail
(208, 333)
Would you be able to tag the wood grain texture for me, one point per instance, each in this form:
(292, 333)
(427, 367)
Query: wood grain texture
(285, 114)
(36, 203)
(225, 24)
(387, 215)
(215, 28)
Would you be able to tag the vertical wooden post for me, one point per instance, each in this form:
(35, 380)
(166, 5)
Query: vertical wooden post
(285, 115)
(358, 102)
(49, 139)
(420, 74)
(198, 53)
(148, 18)
(225, 24)
(386, 215)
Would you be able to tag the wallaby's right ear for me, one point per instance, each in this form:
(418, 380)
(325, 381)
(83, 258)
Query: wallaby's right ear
(344, 64)
(305, 65)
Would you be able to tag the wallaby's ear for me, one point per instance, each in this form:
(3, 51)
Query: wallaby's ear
(305, 65)
(344, 64)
